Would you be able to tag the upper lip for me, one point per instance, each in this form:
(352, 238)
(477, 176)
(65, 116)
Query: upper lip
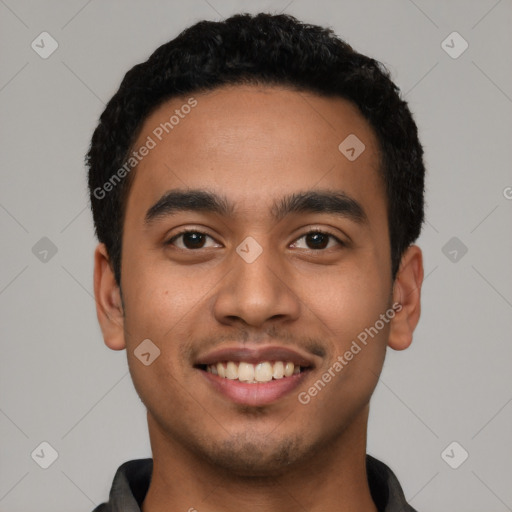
(256, 355)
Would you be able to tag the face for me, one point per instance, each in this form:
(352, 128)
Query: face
(255, 254)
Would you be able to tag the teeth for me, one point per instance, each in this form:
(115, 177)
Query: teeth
(278, 370)
(263, 372)
(288, 369)
(231, 371)
(247, 372)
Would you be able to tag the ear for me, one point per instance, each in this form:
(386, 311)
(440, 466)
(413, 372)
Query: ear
(108, 300)
(407, 293)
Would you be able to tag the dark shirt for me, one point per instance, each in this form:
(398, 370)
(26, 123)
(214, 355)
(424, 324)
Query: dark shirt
(131, 483)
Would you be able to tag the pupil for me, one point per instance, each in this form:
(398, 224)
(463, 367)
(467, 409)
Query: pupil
(193, 240)
(317, 240)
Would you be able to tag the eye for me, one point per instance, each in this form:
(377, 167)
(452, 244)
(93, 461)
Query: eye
(316, 240)
(191, 239)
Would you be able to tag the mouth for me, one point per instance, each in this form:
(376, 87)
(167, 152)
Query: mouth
(249, 373)
(254, 376)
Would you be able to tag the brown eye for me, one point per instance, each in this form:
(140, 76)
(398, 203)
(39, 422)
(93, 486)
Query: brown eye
(192, 240)
(316, 240)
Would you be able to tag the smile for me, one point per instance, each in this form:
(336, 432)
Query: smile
(265, 371)
(254, 375)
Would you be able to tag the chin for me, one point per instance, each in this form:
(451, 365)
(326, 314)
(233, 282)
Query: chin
(244, 457)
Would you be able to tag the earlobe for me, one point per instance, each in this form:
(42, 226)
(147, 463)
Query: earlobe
(107, 294)
(407, 293)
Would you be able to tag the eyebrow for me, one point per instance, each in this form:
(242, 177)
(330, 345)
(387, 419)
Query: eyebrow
(188, 200)
(313, 201)
(320, 201)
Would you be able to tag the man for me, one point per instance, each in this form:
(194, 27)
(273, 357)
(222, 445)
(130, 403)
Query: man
(256, 187)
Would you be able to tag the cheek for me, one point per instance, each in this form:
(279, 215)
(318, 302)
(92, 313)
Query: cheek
(169, 306)
(158, 307)
(157, 310)
(157, 293)
(349, 309)
(357, 348)
(350, 299)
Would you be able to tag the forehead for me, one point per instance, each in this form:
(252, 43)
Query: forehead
(253, 142)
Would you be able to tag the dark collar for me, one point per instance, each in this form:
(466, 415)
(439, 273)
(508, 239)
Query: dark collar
(131, 483)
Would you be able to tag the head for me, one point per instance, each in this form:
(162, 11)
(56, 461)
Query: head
(234, 131)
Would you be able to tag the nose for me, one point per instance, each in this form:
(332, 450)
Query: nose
(257, 293)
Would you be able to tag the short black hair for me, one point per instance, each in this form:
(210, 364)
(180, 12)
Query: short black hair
(258, 49)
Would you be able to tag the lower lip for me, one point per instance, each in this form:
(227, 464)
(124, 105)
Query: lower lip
(260, 393)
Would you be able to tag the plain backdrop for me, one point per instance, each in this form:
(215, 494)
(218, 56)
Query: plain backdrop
(59, 384)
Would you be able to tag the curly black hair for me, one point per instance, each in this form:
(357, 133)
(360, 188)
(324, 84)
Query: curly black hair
(258, 49)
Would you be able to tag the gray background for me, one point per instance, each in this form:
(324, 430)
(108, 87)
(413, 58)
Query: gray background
(60, 384)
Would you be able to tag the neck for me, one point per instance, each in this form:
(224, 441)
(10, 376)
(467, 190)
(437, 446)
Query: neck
(334, 479)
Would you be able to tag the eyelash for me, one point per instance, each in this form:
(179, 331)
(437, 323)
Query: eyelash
(321, 232)
(184, 232)
(311, 231)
